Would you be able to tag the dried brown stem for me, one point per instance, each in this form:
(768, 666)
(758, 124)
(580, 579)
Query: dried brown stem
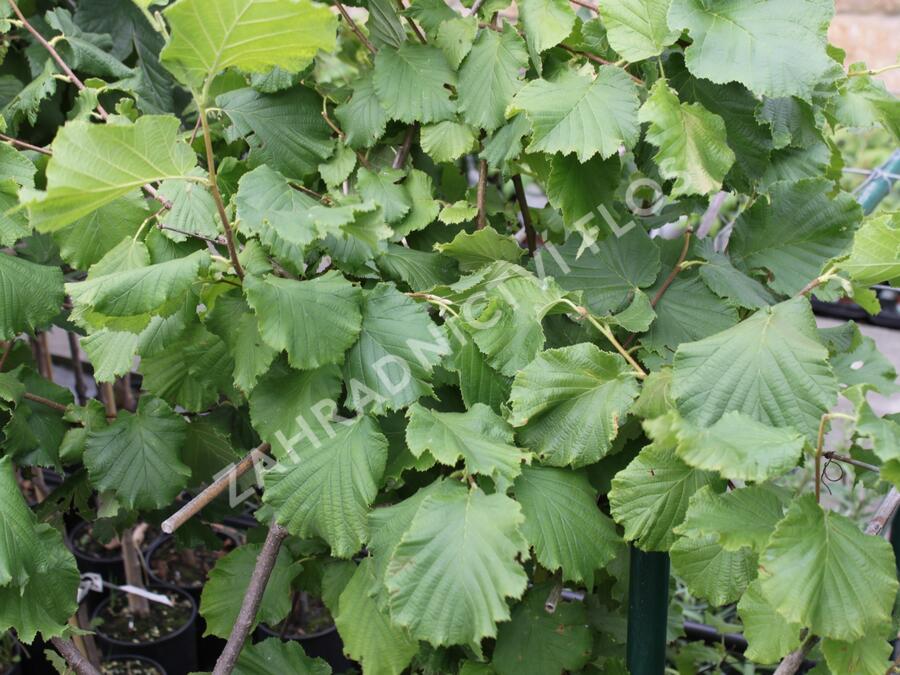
(217, 196)
(530, 234)
(675, 270)
(252, 599)
(213, 490)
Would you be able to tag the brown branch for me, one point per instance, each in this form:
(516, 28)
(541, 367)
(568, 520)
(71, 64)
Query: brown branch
(791, 663)
(835, 457)
(252, 598)
(25, 146)
(406, 147)
(415, 28)
(352, 25)
(675, 270)
(73, 657)
(45, 401)
(213, 490)
(109, 400)
(530, 234)
(341, 135)
(73, 78)
(195, 235)
(217, 196)
(480, 195)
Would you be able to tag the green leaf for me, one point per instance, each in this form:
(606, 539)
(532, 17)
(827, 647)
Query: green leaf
(457, 212)
(410, 83)
(637, 29)
(32, 295)
(209, 36)
(84, 175)
(383, 188)
(21, 555)
(819, 570)
(489, 77)
(316, 320)
(875, 256)
(424, 207)
(650, 496)
(455, 565)
(769, 636)
(224, 590)
(208, 449)
(711, 572)
(289, 406)
(455, 37)
(144, 290)
(546, 24)
(447, 140)
(863, 657)
(729, 283)
(285, 130)
(277, 656)
(535, 642)
(563, 523)
(770, 366)
(420, 270)
(482, 439)
(774, 48)
(238, 327)
(609, 273)
(576, 114)
(138, 457)
(111, 353)
(367, 632)
(570, 403)
(45, 604)
(326, 491)
(796, 235)
(338, 169)
(193, 209)
(399, 345)
(739, 447)
(384, 25)
(738, 518)
(482, 247)
(478, 382)
(691, 140)
(362, 118)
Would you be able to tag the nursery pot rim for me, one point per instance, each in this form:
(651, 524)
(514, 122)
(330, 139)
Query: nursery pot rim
(148, 643)
(135, 657)
(270, 632)
(155, 546)
(78, 552)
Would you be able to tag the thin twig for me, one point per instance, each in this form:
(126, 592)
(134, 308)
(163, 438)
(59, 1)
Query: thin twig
(473, 10)
(820, 442)
(481, 194)
(530, 234)
(73, 657)
(416, 29)
(791, 663)
(586, 5)
(213, 490)
(45, 401)
(406, 147)
(352, 25)
(217, 196)
(109, 400)
(252, 598)
(601, 61)
(341, 135)
(22, 144)
(195, 235)
(675, 270)
(77, 369)
(849, 460)
(818, 281)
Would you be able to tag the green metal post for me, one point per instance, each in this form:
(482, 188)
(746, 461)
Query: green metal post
(648, 605)
(879, 183)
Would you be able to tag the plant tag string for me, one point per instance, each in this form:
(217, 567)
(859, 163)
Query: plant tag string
(91, 581)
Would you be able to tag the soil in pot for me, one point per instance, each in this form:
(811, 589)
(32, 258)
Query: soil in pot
(310, 623)
(130, 664)
(188, 569)
(167, 635)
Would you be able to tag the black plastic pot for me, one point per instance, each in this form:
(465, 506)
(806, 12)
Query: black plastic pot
(210, 647)
(326, 644)
(135, 657)
(109, 567)
(176, 652)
